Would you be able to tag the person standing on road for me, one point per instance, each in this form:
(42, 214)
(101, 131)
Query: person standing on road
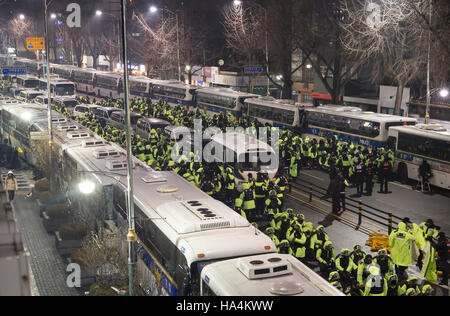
(401, 244)
(11, 185)
(385, 174)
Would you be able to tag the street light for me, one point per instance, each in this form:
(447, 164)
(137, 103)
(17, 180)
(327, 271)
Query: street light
(21, 17)
(153, 10)
(53, 16)
(98, 13)
(444, 93)
(86, 187)
(237, 3)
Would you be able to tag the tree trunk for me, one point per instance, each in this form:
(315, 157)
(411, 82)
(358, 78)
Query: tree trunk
(399, 98)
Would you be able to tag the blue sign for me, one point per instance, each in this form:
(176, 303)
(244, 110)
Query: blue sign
(253, 70)
(14, 71)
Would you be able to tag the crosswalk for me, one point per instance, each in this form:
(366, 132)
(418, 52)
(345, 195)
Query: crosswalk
(25, 184)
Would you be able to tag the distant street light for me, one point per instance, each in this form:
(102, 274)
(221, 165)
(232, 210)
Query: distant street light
(188, 68)
(98, 13)
(22, 17)
(237, 3)
(53, 16)
(308, 66)
(444, 93)
(153, 9)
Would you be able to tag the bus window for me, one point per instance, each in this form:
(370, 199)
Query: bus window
(392, 143)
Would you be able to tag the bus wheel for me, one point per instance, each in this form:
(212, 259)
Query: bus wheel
(402, 173)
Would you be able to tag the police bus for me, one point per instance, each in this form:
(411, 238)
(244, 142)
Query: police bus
(352, 124)
(108, 85)
(84, 79)
(247, 154)
(140, 87)
(221, 100)
(414, 144)
(279, 113)
(174, 93)
(27, 81)
(264, 275)
(58, 87)
(63, 71)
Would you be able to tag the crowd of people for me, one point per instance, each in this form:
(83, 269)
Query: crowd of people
(262, 200)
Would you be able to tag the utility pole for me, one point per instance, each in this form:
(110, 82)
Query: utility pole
(427, 112)
(50, 131)
(131, 236)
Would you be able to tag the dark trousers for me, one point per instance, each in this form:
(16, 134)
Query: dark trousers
(342, 198)
(369, 185)
(11, 194)
(336, 201)
(359, 185)
(384, 183)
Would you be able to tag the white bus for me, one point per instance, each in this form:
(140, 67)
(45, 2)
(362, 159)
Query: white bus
(414, 144)
(174, 93)
(352, 124)
(63, 71)
(34, 67)
(140, 87)
(222, 100)
(278, 113)
(264, 275)
(27, 81)
(58, 87)
(108, 85)
(84, 79)
(247, 154)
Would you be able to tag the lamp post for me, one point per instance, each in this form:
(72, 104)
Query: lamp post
(427, 113)
(153, 10)
(131, 236)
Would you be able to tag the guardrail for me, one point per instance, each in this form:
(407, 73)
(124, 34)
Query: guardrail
(360, 209)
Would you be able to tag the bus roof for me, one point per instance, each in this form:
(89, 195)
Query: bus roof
(276, 103)
(241, 143)
(427, 130)
(235, 277)
(357, 113)
(225, 92)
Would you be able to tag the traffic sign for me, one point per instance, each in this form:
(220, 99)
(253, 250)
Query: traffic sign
(35, 43)
(253, 70)
(14, 71)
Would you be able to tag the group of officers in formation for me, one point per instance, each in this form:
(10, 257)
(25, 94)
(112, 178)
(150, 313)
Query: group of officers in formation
(262, 200)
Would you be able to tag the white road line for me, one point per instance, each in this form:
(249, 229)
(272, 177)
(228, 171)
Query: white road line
(310, 175)
(408, 187)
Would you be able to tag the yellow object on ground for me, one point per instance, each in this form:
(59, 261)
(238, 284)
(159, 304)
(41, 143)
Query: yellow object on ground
(378, 242)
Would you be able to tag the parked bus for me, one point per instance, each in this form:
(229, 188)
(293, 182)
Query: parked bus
(352, 124)
(414, 144)
(27, 81)
(221, 100)
(174, 92)
(140, 87)
(278, 113)
(84, 79)
(58, 87)
(108, 85)
(63, 71)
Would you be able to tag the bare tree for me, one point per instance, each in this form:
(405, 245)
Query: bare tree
(244, 35)
(157, 45)
(390, 35)
(19, 29)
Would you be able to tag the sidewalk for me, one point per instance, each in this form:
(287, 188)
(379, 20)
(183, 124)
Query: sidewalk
(47, 268)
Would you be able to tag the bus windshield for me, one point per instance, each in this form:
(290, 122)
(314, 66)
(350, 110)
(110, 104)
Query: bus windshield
(64, 89)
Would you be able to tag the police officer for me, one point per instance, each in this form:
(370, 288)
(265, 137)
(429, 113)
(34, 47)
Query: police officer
(401, 243)
(385, 174)
(325, 257)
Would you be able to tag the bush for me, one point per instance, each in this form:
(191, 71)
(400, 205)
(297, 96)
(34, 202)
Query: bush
(42, 185)
(72, 231)
(45, 197)
(58, 211)
(79, 257)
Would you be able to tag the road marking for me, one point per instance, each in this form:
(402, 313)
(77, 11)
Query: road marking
(310, 175)
(403, 186)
